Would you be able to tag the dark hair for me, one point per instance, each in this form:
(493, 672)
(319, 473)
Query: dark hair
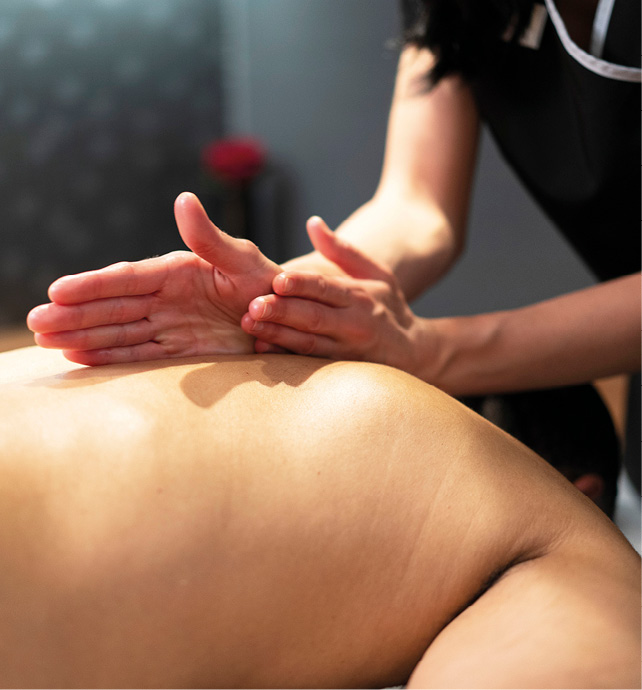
(460, 33)
(570, 427)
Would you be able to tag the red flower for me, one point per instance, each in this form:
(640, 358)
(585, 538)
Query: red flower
(234, 160)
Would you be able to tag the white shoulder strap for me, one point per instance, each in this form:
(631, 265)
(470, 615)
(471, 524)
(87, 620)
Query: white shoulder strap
(601, 26)
(590, 62)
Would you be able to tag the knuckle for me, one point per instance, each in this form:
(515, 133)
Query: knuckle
(362, 297)
(323, 287)
(345, 294)
(316, 318)
(121, 337)
(100, 357)
(358, 334)
(82, 317)
(246, 246)
(173, 260)
(80, 342)
(308, 345)
(127, 271)
(116, 311)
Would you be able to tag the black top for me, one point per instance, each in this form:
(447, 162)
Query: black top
(572, 134)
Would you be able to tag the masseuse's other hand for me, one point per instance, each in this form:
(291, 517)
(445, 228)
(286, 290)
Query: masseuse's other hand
(180, 304)
(362, 316)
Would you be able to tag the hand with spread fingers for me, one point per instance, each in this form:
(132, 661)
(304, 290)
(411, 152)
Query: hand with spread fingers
(360, 316)
(177, 305)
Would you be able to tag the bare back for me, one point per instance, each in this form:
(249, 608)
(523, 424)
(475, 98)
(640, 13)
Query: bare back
(279, 521)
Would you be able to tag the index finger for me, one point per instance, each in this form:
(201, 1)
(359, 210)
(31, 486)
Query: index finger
(118, 280)
(331, 290)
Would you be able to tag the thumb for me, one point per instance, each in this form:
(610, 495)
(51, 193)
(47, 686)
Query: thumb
(348, 258)
(228, 254)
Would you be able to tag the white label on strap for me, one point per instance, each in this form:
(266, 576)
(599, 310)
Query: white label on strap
(532, 37)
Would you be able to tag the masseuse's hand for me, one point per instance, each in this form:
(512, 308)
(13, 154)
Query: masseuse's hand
(180, 304)
(360, 316)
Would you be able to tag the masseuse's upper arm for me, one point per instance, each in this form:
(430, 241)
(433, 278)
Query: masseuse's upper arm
(432, 139)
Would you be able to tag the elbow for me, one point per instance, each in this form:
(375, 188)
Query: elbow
(457, 244)
(449, 245)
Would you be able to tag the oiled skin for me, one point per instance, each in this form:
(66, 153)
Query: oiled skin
(272, 521)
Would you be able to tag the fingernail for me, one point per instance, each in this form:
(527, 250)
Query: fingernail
(257, 326)
(286, 284)
(262, 309)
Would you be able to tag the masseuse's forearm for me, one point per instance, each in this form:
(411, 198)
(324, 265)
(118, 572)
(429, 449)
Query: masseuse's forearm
(575, 338)
(413, 238)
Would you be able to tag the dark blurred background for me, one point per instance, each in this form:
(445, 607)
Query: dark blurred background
(106, 105)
